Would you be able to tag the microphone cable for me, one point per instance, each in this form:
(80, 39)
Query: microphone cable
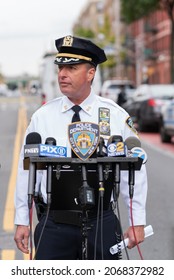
(133, 228)
(101, 223)
(99, 217)
(43, 228)
(117, 209)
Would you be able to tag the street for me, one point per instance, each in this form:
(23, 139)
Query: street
(15, 113)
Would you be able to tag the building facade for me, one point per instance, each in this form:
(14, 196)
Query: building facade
(151, 36)
(140, 51)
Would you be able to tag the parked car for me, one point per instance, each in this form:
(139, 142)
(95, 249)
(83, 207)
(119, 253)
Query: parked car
(145, 105)
(167, 122)
(111, 88)
(3, 90)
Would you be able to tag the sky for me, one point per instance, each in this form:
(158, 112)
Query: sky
(28, 29)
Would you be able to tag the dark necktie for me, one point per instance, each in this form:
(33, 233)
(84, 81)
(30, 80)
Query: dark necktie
(76, 117)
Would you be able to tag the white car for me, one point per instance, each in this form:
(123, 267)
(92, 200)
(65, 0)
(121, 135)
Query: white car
(111, 88)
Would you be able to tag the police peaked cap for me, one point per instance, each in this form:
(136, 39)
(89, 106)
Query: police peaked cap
(73, 50)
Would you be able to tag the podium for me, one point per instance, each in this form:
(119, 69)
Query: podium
(68, 176)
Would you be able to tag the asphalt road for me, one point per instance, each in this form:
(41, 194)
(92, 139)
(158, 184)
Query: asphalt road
(14, 116)
(159, 246)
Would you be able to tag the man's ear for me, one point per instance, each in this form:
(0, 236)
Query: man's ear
(91, 73)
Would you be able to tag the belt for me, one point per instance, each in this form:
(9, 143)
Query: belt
(72, 217)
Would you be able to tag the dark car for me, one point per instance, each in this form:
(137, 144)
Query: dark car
(145, 105)
(167, 122)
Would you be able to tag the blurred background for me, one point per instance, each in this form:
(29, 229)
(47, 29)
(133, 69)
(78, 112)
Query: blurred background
(138, 39)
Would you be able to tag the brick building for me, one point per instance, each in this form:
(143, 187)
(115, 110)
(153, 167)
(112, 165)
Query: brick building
(141, 49)
(151, 37)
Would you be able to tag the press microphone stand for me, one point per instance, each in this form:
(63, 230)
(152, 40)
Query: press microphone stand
(31, 183)
(116, 189)
(86, 197)
(131, 179)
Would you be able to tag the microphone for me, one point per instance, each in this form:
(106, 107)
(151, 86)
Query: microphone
(101, 152)
(101, 149)
(33, 139)
(131, 143)
(134, 148)
(48, 150)
(49, 141)
(86, 193)
(116, 148)
(31, 148)
(42, 150)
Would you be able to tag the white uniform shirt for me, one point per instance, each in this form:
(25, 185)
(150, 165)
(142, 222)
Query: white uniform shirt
(52, 120)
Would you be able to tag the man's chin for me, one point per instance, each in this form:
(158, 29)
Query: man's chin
(66, 93)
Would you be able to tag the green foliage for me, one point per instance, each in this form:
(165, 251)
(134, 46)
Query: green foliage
(132, 10)
(84, 32)
(106, 30)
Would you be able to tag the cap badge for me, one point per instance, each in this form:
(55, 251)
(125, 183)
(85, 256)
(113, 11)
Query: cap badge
(67, 41)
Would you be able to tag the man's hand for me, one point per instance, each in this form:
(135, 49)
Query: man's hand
(21, 238)
(139, 233)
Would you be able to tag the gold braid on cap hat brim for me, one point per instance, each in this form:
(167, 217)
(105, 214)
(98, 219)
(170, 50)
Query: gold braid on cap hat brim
(74, 56)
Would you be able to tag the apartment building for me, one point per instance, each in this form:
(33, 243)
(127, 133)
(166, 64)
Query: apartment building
(141, 50)
(151, 37)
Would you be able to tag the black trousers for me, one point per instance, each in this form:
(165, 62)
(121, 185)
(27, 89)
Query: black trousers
(64, 242)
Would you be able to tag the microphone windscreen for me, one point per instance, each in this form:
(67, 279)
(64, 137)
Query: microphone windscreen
(132, 142)
(33, 138)
(50, 141)
(115, 138)
(101, 149)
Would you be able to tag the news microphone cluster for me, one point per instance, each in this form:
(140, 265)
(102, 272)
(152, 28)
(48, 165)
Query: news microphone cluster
(44, 150)
(34, 148)
(130, 148)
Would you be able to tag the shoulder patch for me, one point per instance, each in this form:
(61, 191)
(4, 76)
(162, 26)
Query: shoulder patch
(130, 124)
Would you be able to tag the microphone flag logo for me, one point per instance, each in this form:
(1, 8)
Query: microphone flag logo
(84, 138)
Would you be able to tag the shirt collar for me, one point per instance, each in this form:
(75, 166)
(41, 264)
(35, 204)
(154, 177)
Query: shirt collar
(87, 105)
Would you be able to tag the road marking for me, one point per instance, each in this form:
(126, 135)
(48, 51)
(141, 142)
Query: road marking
(8, 221)
(8, 254)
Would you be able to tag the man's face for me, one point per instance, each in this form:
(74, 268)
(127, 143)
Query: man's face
(75, 80)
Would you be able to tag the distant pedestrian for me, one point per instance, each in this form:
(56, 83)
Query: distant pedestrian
(121, 96)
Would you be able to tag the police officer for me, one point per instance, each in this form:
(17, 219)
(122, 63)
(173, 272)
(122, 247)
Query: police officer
(77, 60)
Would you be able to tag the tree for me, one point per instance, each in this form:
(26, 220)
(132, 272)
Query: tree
(84, 32)
(133, 10)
